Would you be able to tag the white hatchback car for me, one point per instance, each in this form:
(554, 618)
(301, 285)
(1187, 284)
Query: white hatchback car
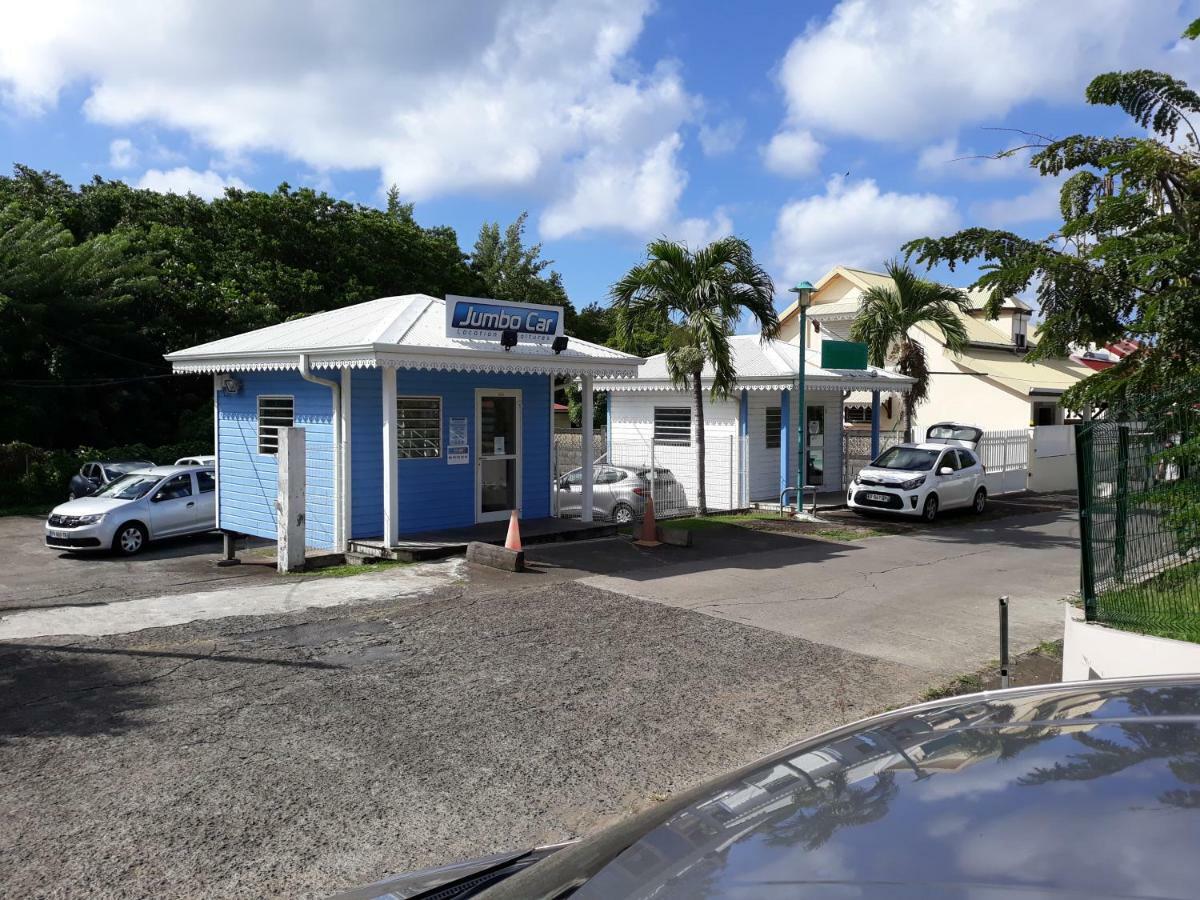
(125, 514)
(920, 480)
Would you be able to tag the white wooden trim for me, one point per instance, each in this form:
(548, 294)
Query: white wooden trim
(516, 455)
(217, 447)
(347, 472)
(588, 448)
(391, 499)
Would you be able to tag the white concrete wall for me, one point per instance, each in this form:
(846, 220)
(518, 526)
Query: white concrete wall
(1094, 651)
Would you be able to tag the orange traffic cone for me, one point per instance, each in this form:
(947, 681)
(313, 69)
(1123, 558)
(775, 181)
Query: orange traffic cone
(649, 536)
(513, 541)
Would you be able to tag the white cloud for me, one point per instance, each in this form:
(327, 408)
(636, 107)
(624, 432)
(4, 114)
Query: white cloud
(540, 95)
(698, 232)
(854, 224)
(613, 192)
(946, 159)
(721, 138)
(795, 152)
(900, 71)
(1042, 202)
(122, 154)
(184, 180)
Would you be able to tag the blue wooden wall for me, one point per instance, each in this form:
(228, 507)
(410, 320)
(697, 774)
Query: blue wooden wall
(434, 495)
(249, 479)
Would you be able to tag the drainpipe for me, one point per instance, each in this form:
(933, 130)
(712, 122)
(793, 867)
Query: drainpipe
(339, 468)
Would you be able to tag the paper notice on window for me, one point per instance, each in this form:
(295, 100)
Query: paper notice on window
(458, 431)
(498, 446)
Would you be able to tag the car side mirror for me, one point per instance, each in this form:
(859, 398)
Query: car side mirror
(945, 470)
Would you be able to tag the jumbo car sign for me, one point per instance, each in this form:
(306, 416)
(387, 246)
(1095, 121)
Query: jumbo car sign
(477, 319)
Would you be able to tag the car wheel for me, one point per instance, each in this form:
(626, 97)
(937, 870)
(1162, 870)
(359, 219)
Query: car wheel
(622, 514)
(930, 510)
(980, 502)
(131, 538)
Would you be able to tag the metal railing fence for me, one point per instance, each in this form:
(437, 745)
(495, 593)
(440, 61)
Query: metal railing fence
(1139, 506)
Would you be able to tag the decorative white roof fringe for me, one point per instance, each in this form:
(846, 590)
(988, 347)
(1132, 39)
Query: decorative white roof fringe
(396, 332)
(883, 385)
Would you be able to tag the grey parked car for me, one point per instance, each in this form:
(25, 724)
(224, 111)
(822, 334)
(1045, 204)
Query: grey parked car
(1076, 790)
(95, 475)
(619, 492)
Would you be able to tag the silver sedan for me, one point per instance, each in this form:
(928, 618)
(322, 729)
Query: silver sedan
(126, 514)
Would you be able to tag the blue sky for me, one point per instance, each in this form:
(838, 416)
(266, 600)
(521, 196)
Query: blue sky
(823, 133)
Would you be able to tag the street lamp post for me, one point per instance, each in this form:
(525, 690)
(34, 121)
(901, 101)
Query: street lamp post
(803, 292)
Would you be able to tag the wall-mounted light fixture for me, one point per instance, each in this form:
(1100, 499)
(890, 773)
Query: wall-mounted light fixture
(231, 385)
(559, 345)
(508, 338)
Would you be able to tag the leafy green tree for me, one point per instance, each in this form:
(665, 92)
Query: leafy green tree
(1125, 261)
(509, 270)
(696, 298)
(886, 319)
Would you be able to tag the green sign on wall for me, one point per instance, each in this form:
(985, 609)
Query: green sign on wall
(843, 355)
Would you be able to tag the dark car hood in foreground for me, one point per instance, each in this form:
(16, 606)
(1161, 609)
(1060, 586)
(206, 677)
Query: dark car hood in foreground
(1085, 790)
(1082, 790)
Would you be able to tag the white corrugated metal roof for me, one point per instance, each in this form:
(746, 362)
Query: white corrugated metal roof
(392, 331)
(773, 365)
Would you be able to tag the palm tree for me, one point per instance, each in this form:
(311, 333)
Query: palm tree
(698, 298)
(887, 317)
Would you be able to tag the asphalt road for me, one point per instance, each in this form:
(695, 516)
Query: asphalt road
(36, 577)
(300, 754)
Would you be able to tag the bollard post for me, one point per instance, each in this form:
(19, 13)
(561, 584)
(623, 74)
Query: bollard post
(1004, 642)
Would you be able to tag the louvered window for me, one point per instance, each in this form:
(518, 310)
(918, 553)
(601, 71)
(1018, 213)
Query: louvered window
(418, 427)
(774, 426)
(273, 413)
(673, 426)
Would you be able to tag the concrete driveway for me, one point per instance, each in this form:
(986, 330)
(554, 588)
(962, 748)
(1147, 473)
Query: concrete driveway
(925, 599)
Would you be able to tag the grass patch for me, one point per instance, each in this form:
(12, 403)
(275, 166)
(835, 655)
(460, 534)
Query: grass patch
(847, 534)
(32, 509)
(1167, 605)
(342, 571)
(696, 523)
(962, 684)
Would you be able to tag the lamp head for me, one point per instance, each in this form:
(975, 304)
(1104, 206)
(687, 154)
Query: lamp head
(559, 345)
(508, 338)
(803, 292)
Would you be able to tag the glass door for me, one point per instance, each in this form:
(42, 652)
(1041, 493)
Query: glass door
(815, 445)
(498, 460)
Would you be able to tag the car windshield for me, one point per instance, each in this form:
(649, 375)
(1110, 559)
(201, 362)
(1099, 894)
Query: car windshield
(128, 487)
(911, 459)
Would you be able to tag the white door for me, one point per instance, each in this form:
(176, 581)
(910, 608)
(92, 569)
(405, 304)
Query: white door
(498, 454)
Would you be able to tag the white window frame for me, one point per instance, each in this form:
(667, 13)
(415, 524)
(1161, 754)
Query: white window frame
(401, 451)
(686, 441)
(274, 436)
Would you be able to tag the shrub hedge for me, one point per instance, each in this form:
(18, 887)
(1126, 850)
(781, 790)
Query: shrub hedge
(30, 475)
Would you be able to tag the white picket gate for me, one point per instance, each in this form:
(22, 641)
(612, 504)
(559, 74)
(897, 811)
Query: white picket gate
(1005, 455)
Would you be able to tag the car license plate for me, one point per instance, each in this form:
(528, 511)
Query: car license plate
(882, 498)
(57, 533)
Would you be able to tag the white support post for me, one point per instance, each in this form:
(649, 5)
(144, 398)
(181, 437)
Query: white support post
(391, 499)
(289, 502)
(217, 448)
(345, 469)
(588, 448)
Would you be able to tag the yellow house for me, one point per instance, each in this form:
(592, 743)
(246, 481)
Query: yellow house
(991, 384)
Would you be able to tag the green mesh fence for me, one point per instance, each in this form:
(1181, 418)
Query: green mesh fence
(1139, 501)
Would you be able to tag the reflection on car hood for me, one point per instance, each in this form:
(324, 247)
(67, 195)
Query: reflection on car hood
(88, 506)
(1087, 790)
(891, 476)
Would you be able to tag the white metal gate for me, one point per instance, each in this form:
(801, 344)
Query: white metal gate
(1005, 456)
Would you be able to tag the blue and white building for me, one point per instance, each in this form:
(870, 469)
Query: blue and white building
(420, 414)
